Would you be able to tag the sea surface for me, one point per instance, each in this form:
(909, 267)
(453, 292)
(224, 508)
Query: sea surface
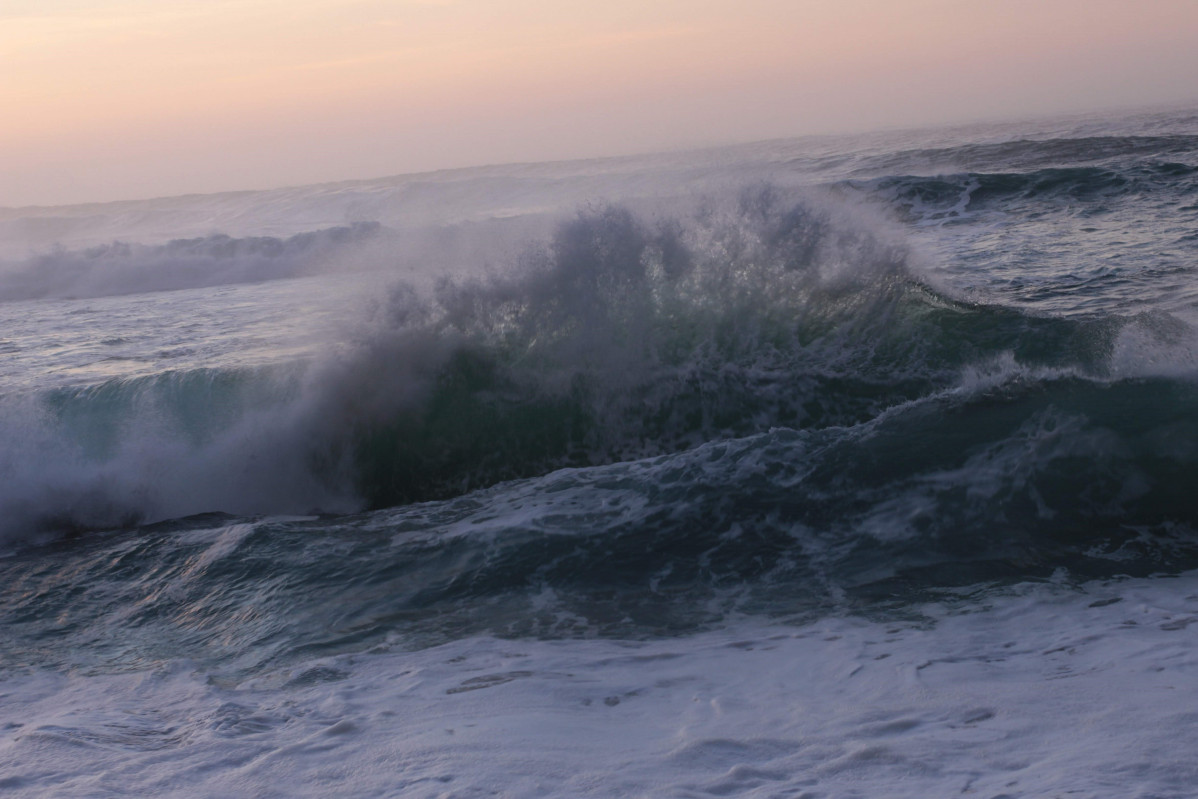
(828, 467)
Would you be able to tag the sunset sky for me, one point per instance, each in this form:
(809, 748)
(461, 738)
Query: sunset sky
(114, 99)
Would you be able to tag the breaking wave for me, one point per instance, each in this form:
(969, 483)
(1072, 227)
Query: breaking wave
(627, 337)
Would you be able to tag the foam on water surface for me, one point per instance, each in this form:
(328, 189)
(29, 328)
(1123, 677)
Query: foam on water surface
(1039, 690)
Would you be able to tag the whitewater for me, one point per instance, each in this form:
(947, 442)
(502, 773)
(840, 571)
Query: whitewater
(826, 467)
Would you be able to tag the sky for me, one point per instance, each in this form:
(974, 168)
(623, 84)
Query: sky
(122, 99)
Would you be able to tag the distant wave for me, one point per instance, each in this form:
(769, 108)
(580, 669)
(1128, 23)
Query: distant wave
(1032, 154)
(947, 197)
(129, 268)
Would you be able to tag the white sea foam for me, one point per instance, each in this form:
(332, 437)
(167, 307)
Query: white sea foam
(1041, 691)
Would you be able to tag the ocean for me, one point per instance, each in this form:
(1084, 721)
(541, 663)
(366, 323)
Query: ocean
(827, 467)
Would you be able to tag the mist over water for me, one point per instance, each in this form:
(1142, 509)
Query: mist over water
(446, 427)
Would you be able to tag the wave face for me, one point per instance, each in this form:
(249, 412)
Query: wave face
(1017, 479)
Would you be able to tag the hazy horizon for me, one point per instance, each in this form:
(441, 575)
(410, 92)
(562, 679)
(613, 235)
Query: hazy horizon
(945, 127)
(124, 99)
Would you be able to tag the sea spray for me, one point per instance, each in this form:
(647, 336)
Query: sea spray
(621, 337)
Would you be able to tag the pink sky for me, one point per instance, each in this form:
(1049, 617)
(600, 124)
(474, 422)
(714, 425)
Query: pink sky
(113, 99)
